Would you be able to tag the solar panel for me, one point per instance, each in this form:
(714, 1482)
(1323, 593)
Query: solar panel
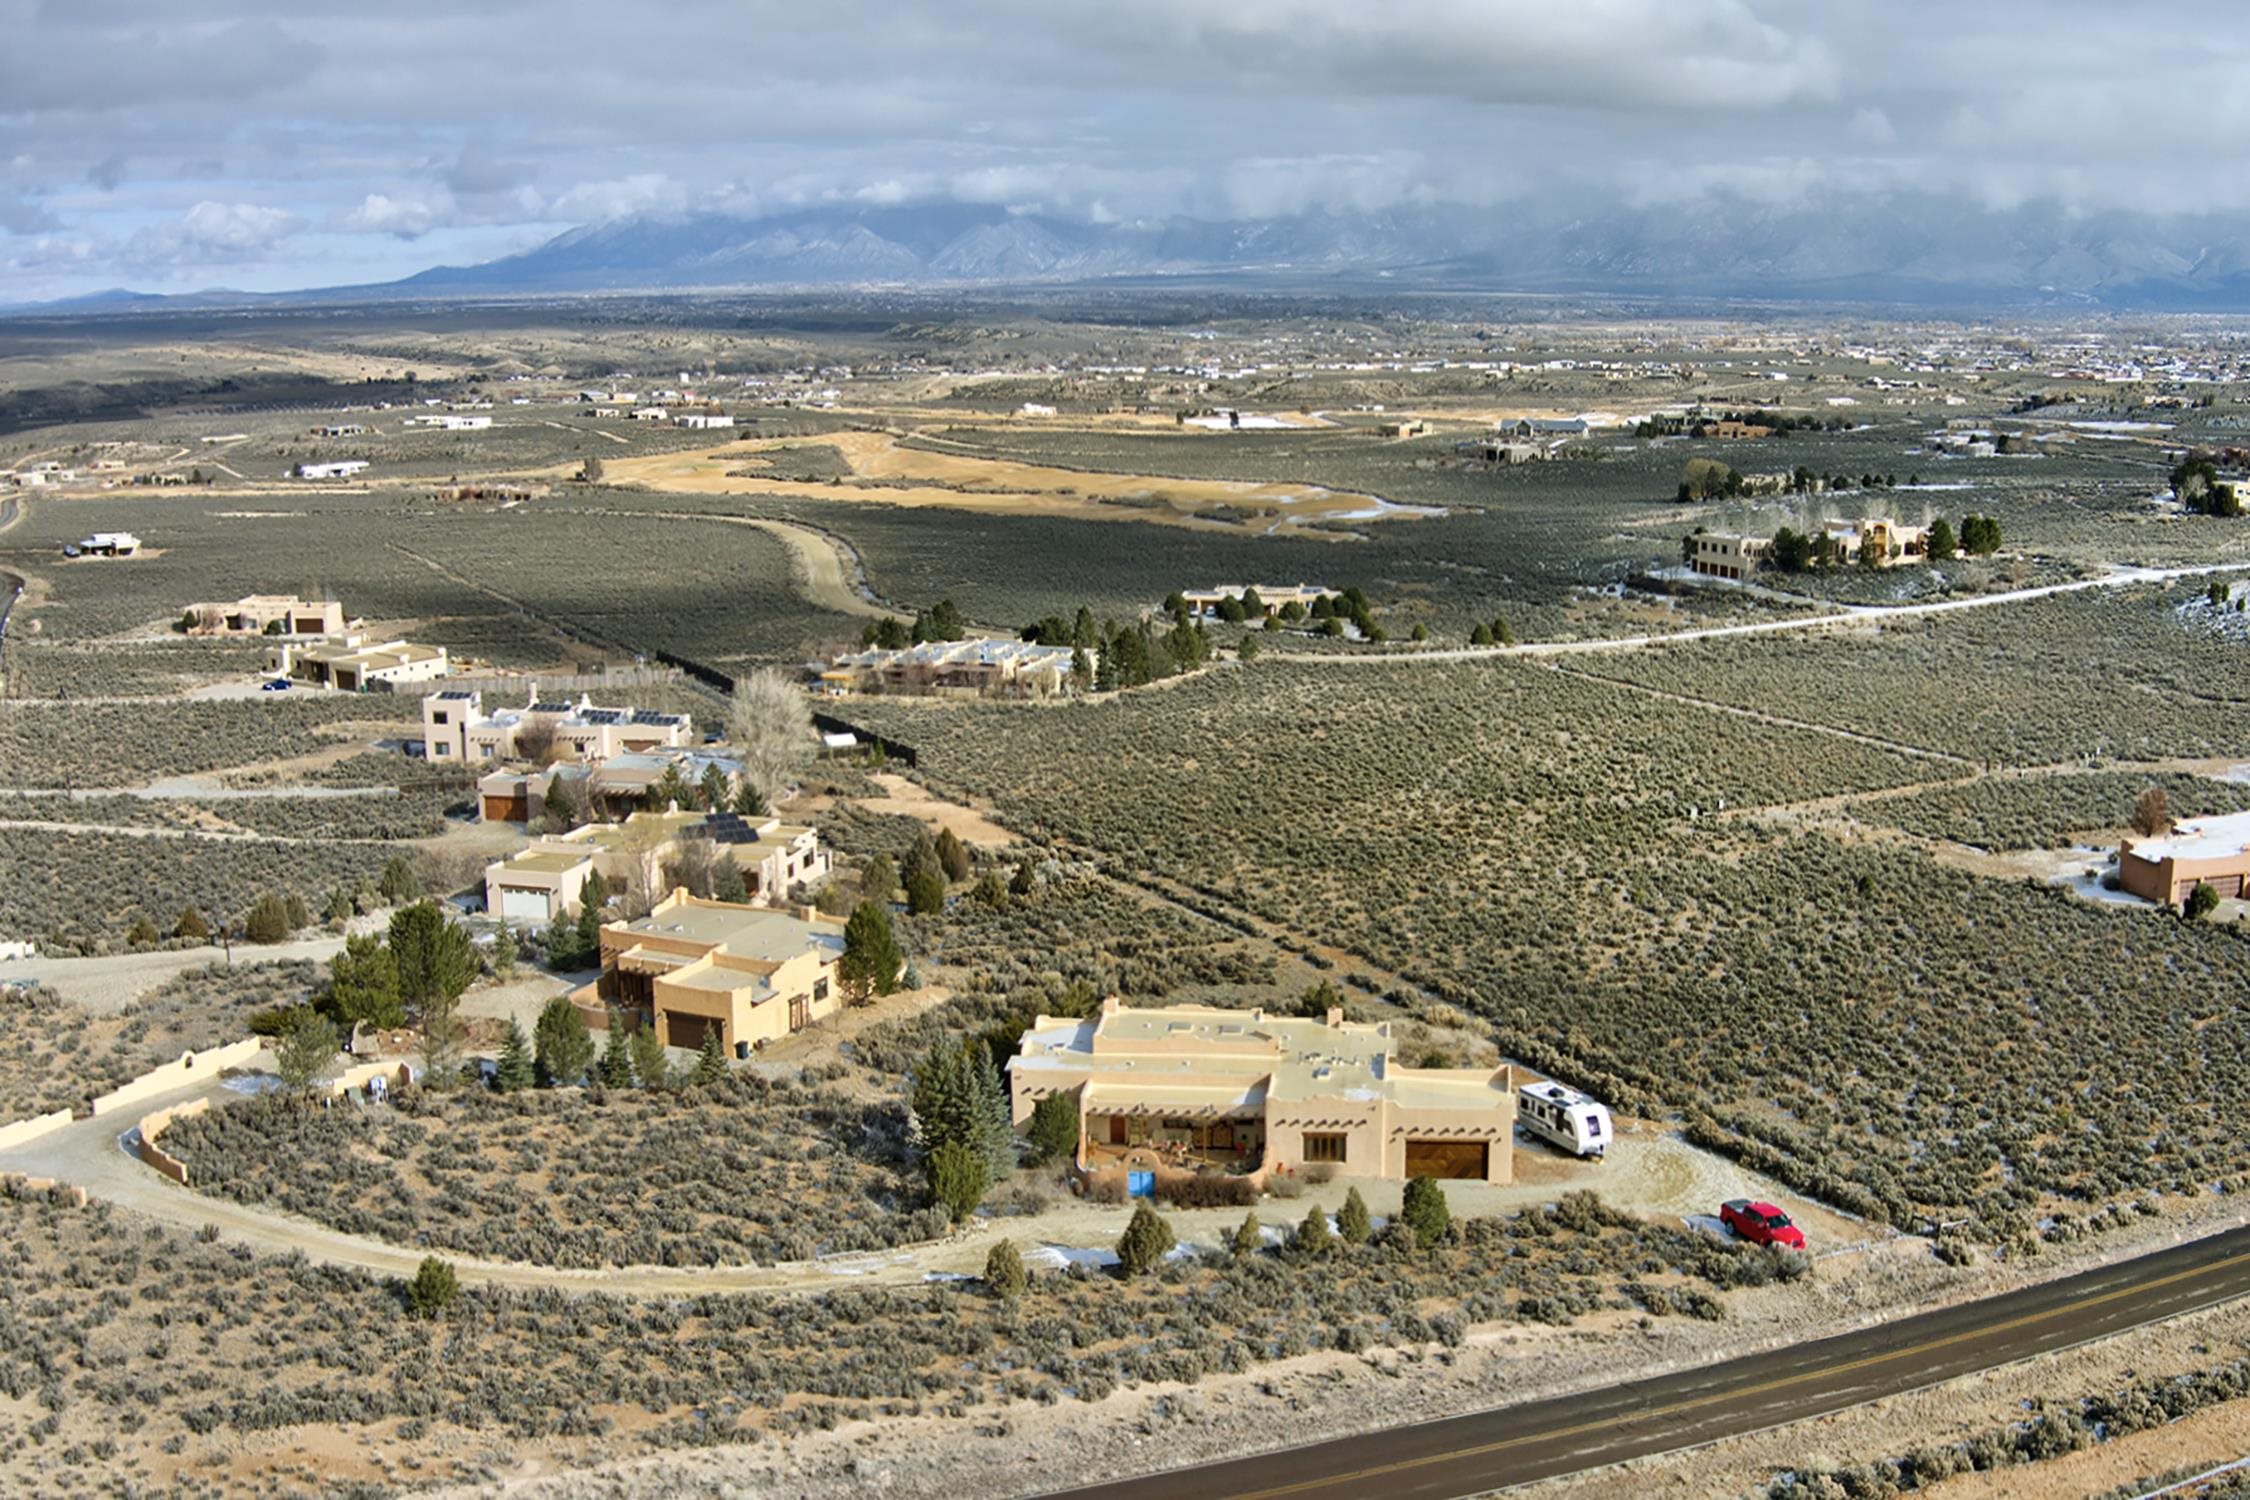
(601, 716)
(550, 708)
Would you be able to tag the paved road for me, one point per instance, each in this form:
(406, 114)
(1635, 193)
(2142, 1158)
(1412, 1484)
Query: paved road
(1572, 1434)
(111, 981)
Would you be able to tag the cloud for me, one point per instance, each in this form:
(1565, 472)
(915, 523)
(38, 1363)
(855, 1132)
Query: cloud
(379, 213)
(398, 130)
(209, 234)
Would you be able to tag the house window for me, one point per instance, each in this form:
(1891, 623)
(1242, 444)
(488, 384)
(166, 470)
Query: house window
(820, 989)
(1324, 1147)
(444, 749)
(439, 716)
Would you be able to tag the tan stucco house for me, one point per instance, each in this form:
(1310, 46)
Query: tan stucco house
(352, 663)
(256, 613)
(545, 881)
(456, 727)
(1188, 1088)
(2198, 851)
(692, 965)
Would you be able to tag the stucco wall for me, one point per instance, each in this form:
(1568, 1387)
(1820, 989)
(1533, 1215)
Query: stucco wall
(25, 1131)
(193, 1067)
(154, 1125)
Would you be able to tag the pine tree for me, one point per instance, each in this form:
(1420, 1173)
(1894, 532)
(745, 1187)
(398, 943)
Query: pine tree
(1354, 1226)
(925, 892)
(504, 952)
(940, 1100)
(1249, 1237)
(363, 984)
(1054, 1127)
(516, 1066)
(1312, 1239)
(651, 1069)
(714, 788)
(952, 855)
(991, 1130)
(710, 1059)
(398, 884)
(616, 1067)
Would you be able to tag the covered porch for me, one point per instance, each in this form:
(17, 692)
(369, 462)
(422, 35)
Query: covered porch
(1180, 1127)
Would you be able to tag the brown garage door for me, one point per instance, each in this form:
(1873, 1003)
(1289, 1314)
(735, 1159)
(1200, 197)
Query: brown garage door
(1446, 1159)
(685, 1031)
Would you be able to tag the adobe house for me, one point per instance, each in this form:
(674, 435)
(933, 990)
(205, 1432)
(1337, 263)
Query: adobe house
(691, 966)
(1190, 1088)
(543, 882)
(2198, 851)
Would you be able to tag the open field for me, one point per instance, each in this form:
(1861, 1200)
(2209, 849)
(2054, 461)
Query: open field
(1765, 894)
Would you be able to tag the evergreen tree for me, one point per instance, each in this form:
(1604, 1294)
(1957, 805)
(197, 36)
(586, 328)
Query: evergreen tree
(190, 925)
(398, 884)
(879, 880)
(958, 1178)
(871, 961)
(748, 800)
(925, 892)
(363, 984)
(299, 915)
(1053, 1130)
(504, 952)
(1024, 881)
(594, 894)
(943, 1109)
(952, 855)
(670, 789)
(992, 1132)
(564, 1049)
(1146, 1241)
(516, 1064)
(434, 967)
(714, 788)
(1249, 1237)
(727, 883)
(268, 921)
(143, 933)
(1424, 1210)
(651, 1069)
(992, 891)
(710, 1060)
(1312, 1239)
(1354, 1226)
(307, 1051)
(1942, 546)
(616, 1067)
(1004, 1274)
(433, 1288)
(340, 907)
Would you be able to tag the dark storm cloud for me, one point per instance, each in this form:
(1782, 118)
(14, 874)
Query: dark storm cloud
(325, 131)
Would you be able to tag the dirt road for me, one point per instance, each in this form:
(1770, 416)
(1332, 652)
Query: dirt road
(1845, 615)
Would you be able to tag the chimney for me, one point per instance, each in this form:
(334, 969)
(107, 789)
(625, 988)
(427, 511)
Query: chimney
(1335, 1016)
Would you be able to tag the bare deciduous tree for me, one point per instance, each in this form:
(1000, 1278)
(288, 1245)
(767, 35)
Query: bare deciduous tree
(2152, 816)
(770, 726)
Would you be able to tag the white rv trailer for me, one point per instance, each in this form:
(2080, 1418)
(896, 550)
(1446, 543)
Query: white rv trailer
(1564, 1117)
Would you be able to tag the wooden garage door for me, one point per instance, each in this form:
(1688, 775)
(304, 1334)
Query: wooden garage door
(684, 1030)
(1446, 1159)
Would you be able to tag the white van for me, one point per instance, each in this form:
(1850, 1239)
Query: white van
(1564, 1117)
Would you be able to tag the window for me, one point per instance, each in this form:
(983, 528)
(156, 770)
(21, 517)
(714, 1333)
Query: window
(820, 989)
(1327, 1147)
(1593, 1126)
(443, 749)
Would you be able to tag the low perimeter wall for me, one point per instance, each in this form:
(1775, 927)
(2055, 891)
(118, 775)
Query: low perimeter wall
(193, 1067)
(25, 1131)
(155, 1125)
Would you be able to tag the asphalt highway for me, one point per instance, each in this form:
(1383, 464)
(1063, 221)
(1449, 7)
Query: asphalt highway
(1512, 1445)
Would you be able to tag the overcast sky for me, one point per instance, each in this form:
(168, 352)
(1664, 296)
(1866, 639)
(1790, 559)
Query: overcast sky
(256, 144)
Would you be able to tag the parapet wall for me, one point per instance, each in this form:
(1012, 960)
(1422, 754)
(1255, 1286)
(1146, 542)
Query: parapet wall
(193, 1067)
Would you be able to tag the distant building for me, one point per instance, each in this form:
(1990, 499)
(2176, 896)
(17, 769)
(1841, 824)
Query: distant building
(2198, 851)
(1732, 430)
(342, 468)
(1505, 455)
(351, 663)
(547, 880)
(341, 429)
(1405, 428)
(612, 786)
(960, 669)
(1718, 554)
(1273, 598)
(1036, 409)
(1172, 1089)
(455, 727)
(1532, 428)
(1893, 541)
(703, 420)
(255, 614)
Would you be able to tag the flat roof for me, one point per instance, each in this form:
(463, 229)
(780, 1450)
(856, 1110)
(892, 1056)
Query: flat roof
(2220, 837)
(743, 931)
(543, 862)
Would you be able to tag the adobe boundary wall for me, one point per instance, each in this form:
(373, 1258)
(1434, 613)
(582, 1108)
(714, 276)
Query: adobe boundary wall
(23, 1132)
(193, 1067)
(155, 1125)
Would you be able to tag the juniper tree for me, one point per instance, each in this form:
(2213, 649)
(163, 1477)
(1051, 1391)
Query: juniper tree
(1004, 1274)
(563, 1050)
(710, 1059)
(1423, 1207)
(1146, 1241)
(957, 1177)
(1353, 1224)
(616, 1067)
(650, 1066)
(1249, 1237)
(1312, 1238)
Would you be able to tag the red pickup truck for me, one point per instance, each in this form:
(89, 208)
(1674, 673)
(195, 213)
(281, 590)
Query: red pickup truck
(1761, 1223)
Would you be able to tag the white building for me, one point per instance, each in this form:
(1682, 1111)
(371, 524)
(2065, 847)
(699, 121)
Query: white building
(704, 419)
(342, 468)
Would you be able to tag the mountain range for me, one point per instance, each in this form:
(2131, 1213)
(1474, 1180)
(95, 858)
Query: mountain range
(1922, 251)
